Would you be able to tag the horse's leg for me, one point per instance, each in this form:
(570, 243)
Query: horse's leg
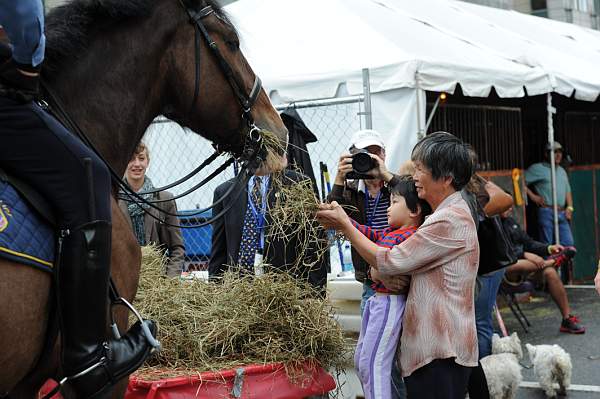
(126, 262)
(24, 295)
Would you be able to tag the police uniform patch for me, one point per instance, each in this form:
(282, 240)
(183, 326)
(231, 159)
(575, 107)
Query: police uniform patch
(3, 219)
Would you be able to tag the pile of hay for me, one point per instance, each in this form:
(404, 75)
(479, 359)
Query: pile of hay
(243, 320)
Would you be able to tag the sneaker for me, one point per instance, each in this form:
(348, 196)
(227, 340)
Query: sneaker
(571, 325)
(563, 256)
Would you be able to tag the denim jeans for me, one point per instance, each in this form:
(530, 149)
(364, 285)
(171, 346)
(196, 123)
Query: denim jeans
(546, 227)
(398, 387)
(484, 303)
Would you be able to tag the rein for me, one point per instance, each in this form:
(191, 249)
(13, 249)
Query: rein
(252, 154)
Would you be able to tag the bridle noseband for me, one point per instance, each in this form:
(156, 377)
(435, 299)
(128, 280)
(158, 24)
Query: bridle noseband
(246, 101)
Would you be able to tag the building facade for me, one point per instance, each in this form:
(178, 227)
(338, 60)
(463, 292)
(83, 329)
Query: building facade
(579, 12)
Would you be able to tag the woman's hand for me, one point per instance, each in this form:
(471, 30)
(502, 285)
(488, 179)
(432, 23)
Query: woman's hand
(333, 216)
(395, 283)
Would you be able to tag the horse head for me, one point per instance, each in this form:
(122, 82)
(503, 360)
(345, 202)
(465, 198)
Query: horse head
(117, 64)
(213, 88)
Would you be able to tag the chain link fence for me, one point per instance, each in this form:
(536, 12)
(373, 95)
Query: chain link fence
(176, 151)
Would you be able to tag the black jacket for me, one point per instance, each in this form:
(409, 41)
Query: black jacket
(299, 136)
(521, 240)
(227, 235)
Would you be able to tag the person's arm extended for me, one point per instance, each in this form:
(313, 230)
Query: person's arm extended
(423, 251)
(361, 243)
(499, 200)
(372, 234)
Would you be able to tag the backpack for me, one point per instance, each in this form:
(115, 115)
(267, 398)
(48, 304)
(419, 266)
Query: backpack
(496, 250)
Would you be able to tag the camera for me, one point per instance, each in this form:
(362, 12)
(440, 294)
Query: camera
(362, 163)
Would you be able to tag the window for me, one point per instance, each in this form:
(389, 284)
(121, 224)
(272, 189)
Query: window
(539, 8)
(538, 5)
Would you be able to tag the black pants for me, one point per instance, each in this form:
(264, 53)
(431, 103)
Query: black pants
(40, 151)
(440, 379)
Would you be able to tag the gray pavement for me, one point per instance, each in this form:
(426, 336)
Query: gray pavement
(584, 349)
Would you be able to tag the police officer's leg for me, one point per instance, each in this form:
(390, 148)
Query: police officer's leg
(45, 154)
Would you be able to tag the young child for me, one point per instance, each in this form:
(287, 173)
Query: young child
(382, 318)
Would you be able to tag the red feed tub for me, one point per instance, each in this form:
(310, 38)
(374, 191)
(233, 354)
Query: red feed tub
(251, 382)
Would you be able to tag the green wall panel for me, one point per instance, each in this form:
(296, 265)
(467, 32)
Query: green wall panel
(584, 223)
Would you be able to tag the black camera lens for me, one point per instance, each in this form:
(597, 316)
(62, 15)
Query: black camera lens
(362, 162)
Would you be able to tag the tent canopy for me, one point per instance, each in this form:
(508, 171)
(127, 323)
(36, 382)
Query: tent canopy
(308, 49)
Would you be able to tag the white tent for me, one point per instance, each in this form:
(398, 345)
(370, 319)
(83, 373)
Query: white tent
(310, 49)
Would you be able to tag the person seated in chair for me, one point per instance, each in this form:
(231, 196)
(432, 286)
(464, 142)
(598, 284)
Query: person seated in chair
(535, 256)
(44, 154)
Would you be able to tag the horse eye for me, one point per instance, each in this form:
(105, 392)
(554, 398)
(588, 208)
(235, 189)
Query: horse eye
(233, 45)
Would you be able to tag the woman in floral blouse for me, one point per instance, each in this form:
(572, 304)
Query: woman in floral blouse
(438, 345)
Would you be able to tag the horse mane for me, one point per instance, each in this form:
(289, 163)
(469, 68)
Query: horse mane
(71, 27)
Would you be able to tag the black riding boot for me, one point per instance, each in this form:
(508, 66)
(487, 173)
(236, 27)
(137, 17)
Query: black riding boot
(83, 298)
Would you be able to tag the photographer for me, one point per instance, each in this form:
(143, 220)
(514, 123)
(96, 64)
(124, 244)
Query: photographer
(367, 196)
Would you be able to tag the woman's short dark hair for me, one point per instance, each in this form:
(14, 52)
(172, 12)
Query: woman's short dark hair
(445, 155)
(405, 187)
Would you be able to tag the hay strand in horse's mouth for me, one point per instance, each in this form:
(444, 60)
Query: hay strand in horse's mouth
(240, 321)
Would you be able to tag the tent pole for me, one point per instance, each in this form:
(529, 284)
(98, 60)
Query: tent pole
(551, 110)
(367, 98)
(420, 133)
(432, 113)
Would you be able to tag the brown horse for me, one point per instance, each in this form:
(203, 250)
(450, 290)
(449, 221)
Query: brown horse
(115, 65)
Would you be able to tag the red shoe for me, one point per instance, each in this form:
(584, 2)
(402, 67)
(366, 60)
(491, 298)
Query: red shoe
(563, 256)
(571, 325)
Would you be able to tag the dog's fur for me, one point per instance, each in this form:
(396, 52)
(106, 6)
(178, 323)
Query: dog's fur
(502, 369)
(551, 364)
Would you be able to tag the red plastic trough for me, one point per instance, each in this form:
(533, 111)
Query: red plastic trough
(251, 382)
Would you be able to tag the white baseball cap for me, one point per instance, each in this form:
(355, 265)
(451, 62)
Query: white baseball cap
(366, 137)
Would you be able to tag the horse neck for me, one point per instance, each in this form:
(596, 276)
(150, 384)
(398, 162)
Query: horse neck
(114, 91)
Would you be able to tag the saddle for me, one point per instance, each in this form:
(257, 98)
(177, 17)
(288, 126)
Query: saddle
(31, 195)
(27, 224)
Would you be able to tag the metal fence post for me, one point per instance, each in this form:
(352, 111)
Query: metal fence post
(367, 98)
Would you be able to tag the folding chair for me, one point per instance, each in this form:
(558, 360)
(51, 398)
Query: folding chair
(508, 291)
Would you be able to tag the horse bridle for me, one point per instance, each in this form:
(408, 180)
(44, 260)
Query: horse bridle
(253, 152)
(246, 101)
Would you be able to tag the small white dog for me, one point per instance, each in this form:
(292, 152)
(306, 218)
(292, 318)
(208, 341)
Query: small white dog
(502, 369)
(551, 364)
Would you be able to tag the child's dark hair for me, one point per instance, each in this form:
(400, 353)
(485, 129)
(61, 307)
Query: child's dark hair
(405, 187)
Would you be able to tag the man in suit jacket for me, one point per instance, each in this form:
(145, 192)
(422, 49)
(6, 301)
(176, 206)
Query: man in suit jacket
(279, 253)
(146, 224)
